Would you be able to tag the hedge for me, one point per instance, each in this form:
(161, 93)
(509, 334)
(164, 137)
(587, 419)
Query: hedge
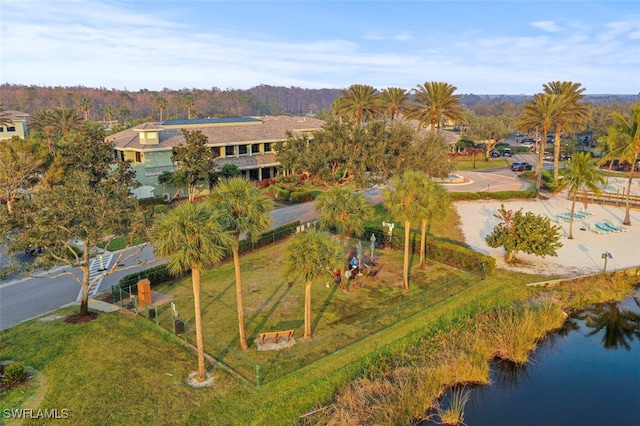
(499, 195)
(441, 251)
(159, 274)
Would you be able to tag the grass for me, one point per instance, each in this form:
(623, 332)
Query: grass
(481, 164)
(122, 369)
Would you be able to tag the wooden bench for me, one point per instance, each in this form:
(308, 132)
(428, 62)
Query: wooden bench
(276, 334)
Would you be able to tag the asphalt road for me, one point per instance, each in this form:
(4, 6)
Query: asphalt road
(22, 299)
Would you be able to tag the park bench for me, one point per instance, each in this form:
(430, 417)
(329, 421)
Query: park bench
(276, 334)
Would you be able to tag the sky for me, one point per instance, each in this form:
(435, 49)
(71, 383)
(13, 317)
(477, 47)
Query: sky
(481, 47)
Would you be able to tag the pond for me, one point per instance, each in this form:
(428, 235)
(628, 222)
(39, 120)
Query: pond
(588, 373)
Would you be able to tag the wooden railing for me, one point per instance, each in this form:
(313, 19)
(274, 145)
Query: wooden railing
(612, 198)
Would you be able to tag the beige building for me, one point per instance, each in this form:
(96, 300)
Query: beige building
(17, 125)
(247, 142)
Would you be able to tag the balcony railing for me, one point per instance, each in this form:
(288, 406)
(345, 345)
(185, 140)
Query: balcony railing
(156, 171)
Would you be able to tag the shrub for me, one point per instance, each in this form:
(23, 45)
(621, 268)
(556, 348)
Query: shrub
(301, 196)
(15, 373)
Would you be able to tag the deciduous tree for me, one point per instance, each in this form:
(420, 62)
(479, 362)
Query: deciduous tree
(524, 232)
(194, 160)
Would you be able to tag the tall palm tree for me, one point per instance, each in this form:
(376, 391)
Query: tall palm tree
(308, 255)
(109, 112)
(344, 209)
(192, 237)
(573, 114)
(85, 105)
(161, 105)
(435, 201)
(435, 104)
(189, 102)
(540, 113)
(582, 173)
(403, 200)
(625, 137)
(395, 101)
(244, 211)
(360, 102)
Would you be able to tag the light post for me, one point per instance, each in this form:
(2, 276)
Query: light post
(373, 245)
(606, 256)
(390, 225)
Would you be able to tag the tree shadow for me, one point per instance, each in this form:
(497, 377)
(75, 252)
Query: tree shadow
(324, 307)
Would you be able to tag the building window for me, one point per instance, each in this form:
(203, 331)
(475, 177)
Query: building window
(1, 129)
(216, 151)
(11, 128)
(242, 150)
(229, 151)
(267, 147)
(138, 157)
(255, 148)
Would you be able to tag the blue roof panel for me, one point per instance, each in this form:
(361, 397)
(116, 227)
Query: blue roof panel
(211, 120)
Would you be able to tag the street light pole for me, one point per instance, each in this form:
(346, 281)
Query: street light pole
(606, 256)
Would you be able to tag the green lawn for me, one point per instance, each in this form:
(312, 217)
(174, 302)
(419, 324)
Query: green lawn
(124, 369)
(481, 164)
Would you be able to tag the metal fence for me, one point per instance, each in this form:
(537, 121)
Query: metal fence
(289, 360)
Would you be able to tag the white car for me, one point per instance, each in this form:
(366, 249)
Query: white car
(528, 144)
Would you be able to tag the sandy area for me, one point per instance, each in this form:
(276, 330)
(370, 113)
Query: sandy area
(578, 256)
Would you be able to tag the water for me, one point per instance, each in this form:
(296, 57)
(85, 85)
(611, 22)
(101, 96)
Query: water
(586, 374)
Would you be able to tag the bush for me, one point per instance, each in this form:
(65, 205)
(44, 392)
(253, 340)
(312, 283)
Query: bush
(150, 202)
(301, 196)
(500, 195)
(15, 373)
(279, 193)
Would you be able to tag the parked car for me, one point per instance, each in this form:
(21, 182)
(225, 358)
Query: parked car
(527, 143)
(507, 152)
(520, 166)
(547, 156)
(495, 154)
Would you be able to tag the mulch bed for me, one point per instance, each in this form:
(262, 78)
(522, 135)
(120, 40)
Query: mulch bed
(81, 319)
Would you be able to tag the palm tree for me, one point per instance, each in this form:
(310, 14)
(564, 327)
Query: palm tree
(625, 137)
(571, 116)
(344, 209)
(395, 101)
(360, 102)
(85, 105)
(244, 211)
(5, 118)
(403, 201)
(65, 120)
(582, 173)
(435, 104)
(309, 255)
(192, 237)
(435, 202)
(189, 103)
(540, 113)
(43, 120)
(161, 104)
(109, 112)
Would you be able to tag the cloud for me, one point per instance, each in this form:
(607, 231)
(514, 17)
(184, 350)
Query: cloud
(548, 26)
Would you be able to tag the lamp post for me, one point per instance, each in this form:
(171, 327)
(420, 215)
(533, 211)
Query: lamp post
(606, 256)
(373, 245)
(390, 225)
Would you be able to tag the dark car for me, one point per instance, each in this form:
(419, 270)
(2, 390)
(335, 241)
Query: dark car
(507, 152)
(518, 166)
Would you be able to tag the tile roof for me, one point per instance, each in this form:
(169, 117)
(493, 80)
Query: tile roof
(268, 129)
